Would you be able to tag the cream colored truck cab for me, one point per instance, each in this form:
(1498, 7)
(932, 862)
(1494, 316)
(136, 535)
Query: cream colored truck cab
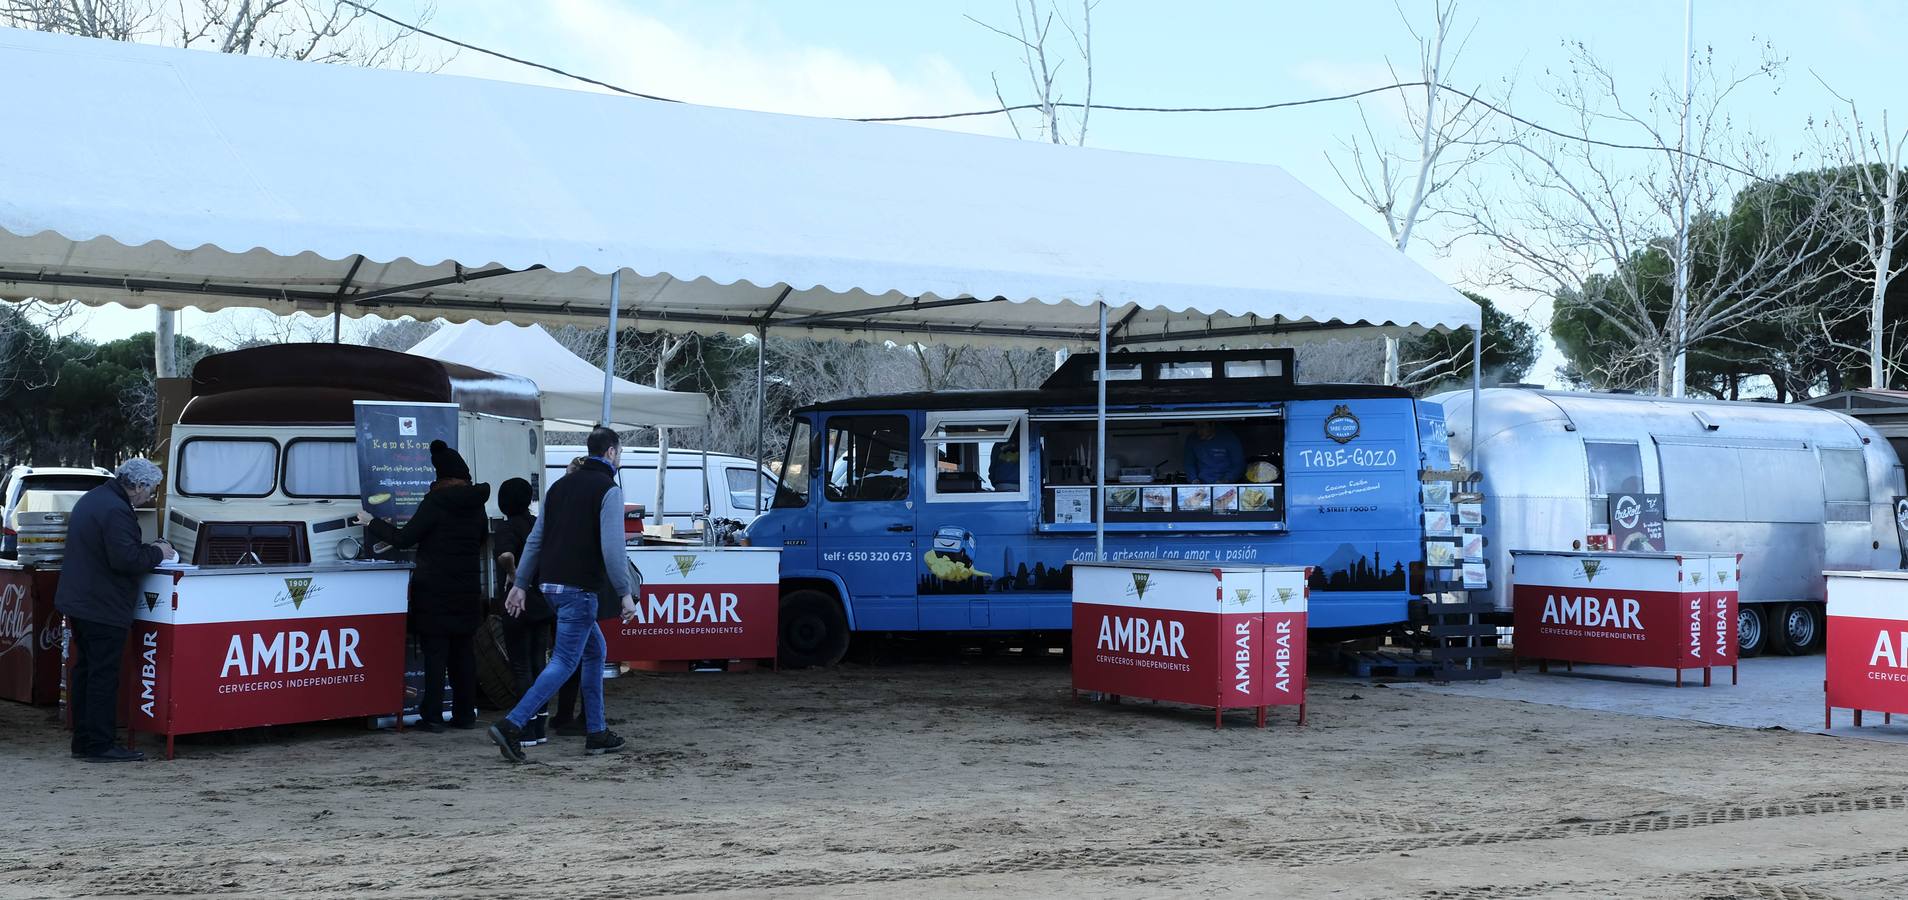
(263, 466)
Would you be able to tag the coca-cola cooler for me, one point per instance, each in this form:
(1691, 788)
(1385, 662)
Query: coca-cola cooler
(29, 634)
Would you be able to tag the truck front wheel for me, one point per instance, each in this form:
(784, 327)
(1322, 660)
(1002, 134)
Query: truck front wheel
(814, 630)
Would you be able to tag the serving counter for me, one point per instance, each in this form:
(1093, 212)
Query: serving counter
(1867, 650)
(240, 647)
(1224, 636)
(698, 603)
(1673, 610)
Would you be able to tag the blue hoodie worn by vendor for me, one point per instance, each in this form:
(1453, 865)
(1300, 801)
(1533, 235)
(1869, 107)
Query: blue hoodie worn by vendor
(1214, 455)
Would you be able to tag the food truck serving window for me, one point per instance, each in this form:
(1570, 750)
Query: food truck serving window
(978, 455)
(867, 458)
(1209, 469)
(228, 467)
(321, 468)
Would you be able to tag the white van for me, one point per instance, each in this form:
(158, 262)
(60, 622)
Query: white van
(714, 484)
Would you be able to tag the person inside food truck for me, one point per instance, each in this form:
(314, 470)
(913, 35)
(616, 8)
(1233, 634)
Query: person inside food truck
(99, 585)
(1214, 454)
(1003, 471)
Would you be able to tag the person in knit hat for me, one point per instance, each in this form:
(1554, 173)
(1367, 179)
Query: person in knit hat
(447, 586)
(526, 636)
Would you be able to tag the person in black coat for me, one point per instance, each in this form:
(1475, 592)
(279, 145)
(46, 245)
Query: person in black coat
(99, 583)
(526, 636)
(447, 587)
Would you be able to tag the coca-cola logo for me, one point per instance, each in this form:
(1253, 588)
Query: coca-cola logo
(16, 620)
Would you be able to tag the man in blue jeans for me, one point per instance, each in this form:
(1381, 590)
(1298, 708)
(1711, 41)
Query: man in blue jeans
(574, 552)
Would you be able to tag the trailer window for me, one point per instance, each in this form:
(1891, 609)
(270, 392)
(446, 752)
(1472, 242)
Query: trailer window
(868, 458)
(1844, 476)
(321, 468)
(1614, 469)
(797, 466)
(243, 467)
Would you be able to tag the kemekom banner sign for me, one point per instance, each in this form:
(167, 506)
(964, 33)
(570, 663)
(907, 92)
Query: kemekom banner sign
(394, 453)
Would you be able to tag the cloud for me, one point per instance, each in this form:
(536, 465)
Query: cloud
(745, 63)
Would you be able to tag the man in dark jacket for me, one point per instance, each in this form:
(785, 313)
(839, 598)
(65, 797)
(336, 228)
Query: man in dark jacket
(447, 586)
(575, 552)
(99, 583)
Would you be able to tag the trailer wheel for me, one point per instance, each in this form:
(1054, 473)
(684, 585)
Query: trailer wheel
(814, 631)
(494, 678)
(1798, 629)
(1751, 634)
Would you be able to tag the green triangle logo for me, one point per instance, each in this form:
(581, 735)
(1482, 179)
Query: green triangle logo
(1590, 567)
(1139, 584)
(298, 588)
(152, 601)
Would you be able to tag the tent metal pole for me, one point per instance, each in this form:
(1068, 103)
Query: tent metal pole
(1477, 385)
(761, 410)
(1099, 466)
(609, 355)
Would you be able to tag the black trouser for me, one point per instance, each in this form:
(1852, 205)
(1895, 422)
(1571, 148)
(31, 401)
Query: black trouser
(93, 695)
(528, 647)
(457, 653)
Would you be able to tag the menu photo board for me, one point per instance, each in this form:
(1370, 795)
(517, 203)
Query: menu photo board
(394, 453)
(1636, 523)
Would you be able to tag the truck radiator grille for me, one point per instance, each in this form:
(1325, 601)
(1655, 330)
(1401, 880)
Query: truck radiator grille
(251, 543)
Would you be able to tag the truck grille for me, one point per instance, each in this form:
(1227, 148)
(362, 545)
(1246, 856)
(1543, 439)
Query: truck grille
(251, 543)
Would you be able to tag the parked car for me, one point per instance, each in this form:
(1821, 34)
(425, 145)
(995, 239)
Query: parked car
(720, 487)
(42, 489)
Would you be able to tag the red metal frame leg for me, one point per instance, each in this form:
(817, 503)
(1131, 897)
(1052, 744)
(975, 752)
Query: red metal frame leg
(1679, 676)
(1732, 673)
(1261, 717)
(1301, 714)
(1705, 676)
(1858, 718)
(1828, 716)
(168, 746)
(1570, 665)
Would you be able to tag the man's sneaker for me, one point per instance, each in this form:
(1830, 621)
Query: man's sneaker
(605, 741)
(509, 739)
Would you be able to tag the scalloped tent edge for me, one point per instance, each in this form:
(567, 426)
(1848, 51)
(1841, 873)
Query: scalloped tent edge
(182, 178)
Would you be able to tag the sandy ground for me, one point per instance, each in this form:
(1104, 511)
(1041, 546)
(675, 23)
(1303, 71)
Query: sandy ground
(941, 779)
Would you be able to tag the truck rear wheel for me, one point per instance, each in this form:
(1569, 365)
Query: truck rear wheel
(814, 630)
(1752, 633)
(1797, 629)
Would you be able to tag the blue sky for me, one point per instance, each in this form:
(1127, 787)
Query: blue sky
(860, 57)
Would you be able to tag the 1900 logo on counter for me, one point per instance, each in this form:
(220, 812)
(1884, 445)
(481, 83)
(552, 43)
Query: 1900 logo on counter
(1341, 426)
(152, 601)
(1139, 584)
(686, 563)
(297, 591)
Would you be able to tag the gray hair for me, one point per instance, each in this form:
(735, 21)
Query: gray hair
(139, 472)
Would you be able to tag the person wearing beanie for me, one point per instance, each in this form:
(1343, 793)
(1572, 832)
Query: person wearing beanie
(447, 585)
(527, 636)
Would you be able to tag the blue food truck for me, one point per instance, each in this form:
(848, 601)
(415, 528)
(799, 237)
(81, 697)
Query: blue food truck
(959, 511)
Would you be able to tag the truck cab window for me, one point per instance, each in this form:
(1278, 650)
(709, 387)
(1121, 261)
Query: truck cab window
(742, 485)
(798, 464)
(867, 458)
(321, 468)
(1614, 469)
(239, 467)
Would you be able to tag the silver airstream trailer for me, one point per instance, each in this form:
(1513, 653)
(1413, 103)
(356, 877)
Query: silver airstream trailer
(1794, 489)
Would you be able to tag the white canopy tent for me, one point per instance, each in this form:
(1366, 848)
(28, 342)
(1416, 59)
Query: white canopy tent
(151, 175)
(571, 388)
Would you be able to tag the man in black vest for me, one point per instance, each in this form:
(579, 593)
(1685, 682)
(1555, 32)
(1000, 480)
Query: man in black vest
(574, 553)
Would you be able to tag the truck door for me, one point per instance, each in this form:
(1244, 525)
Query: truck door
(973, 528)
(865, 528)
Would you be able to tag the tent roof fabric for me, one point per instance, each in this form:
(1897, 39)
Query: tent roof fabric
(186, 178)
(571, 388)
